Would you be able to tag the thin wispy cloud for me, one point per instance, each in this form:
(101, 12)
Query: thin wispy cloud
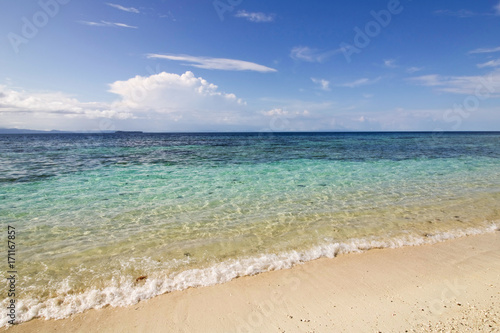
(255, 17)
(485, 50)
(462, 13)
(390, 63)
(324, 84)
(214, 63)
(107, 24)
(307, 54)
(430, 80)
(360, 82)
(125, 9)
(466, 85)
(414, 69)
(491, 63)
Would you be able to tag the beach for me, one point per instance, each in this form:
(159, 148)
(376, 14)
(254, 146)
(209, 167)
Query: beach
(447, 286)
(264, 166)
(104, 222)
(288, 167)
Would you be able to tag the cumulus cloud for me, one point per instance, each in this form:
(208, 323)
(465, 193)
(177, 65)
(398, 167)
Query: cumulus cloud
(255, 17)
(214, 63)
(169, 93)
(54, 103)
(468, 85)
(148, 101)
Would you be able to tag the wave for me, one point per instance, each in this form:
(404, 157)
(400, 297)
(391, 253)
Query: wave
(129, 292)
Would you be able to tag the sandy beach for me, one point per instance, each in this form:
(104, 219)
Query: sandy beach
(448, 286)
(250, 166)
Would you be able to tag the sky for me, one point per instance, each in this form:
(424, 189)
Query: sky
(241, 65)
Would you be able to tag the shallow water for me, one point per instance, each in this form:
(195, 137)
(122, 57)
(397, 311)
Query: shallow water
(94, 212)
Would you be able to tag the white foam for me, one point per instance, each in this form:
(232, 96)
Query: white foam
(127, 292)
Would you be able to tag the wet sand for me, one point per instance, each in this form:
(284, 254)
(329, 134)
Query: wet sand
(430, 288)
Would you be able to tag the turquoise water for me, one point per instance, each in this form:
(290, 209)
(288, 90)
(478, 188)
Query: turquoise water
(95, 212)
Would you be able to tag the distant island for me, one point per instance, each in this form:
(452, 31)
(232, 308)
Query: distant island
(27, 131)
(129, 132)
(30, 131)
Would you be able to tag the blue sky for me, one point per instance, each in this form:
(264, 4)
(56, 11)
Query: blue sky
(240, 65)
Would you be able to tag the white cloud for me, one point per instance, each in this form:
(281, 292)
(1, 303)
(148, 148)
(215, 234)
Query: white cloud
(462, 13)
(390, 63)
(414, 69)
(54, 104)
(157, 102)
(215, 63)
(486, 50)
(305, 53)
(485, 85)
(276, 112)
(255, 17)
(360, 82)
(125, 9)
(170, 93)
(428, 80)
(324, 84)
(491, 63)
(107, 24)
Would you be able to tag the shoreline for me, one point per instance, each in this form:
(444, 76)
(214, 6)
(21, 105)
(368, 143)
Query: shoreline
(454, 283)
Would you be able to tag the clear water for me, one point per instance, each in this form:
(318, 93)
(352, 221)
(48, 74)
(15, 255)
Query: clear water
(95, 212)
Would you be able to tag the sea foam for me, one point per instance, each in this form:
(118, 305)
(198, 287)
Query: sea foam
(129, 292)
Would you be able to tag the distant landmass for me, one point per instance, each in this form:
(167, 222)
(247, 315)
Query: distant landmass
(26, 131)
(30, 131)
(129, 132)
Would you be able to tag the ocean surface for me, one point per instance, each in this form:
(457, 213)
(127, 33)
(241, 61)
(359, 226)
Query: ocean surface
(112, 219)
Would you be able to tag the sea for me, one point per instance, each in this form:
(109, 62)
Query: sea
(113, 219)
